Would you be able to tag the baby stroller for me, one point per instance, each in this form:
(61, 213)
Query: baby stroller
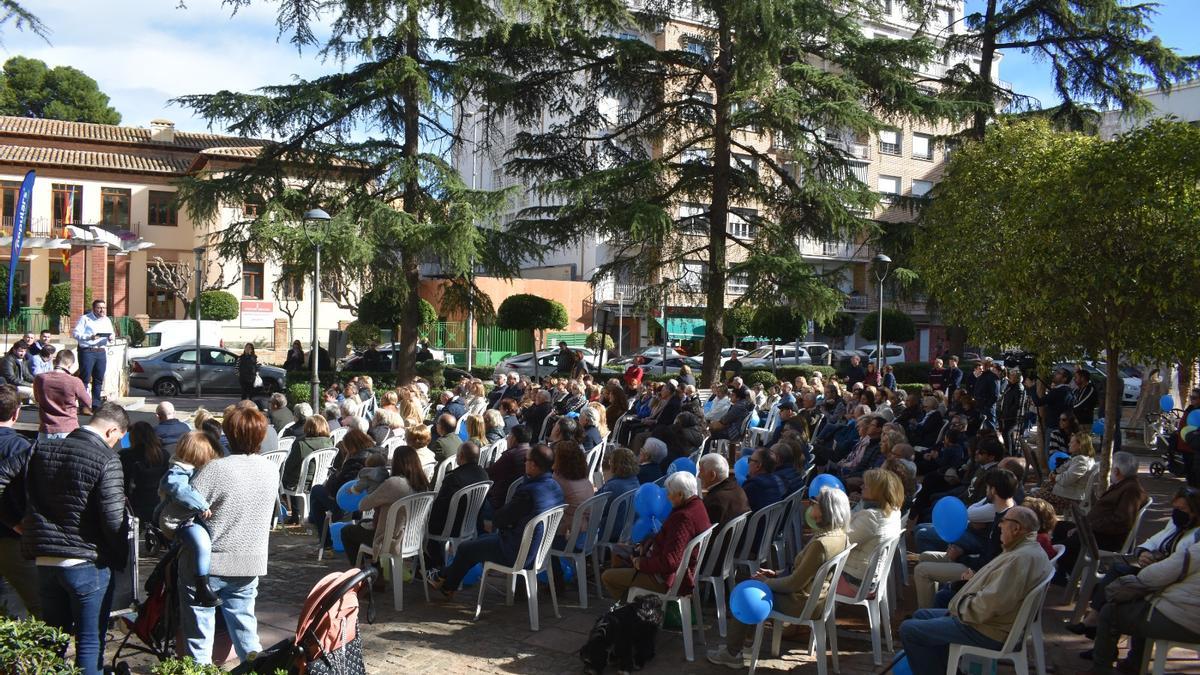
(156, 619)
(1167, 443)
(326, 641)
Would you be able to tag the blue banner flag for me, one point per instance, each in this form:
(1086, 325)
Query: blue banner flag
(24, 204)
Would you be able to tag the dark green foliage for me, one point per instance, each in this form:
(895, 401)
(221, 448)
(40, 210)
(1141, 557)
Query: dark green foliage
(137, 334)
(18, 300)
(531, 312)
(764, 377)
(778, 322)
(216, 306)
(790, 373)
(58, 300)
(483, 372)
(912, 388)
(30, 647)
(299, 392)
(185, 666)
(384, 306)
(912, 372)
(29, 88)
(432, 370)
(738, 321)
(361, 334)
(599, 341)
(897, 326)
(840, 325)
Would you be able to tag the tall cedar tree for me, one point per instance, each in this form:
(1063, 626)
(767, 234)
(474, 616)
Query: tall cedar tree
(725, 149)
(369, 145)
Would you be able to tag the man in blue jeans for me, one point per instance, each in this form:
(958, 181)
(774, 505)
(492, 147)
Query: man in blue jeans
(983, 611)
(93, 332)
(67, 499)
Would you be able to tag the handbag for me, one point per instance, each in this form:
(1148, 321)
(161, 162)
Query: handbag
(258, 381)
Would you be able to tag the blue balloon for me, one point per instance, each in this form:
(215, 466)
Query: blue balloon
(348, 501)
(335, 536)
(664, 509)
(824, 480)
(462, 433)
(751, 602)
(741, 470)
(686, 464)
(125, 440)
(574, 414)
(644, 527)
(900, 665)
(1056, 459)
(1166, 403)
(950, 518)
(648, 500)
(1098, 427)
(1193, 418)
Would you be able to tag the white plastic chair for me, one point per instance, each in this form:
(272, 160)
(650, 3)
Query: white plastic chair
(873, 594)
(491, 452)
(722, 445)
(338, 434)
(287, 426)
(545, 430)
(718, 568)
(618, 523)
(1086, 573)
(315, 466)
(594, 457)
(278, 457)
(823, 628)
(548, 522)
(444, 467)
(466, 501)
(391, 444)
(790, 533)
(764, 432)
(1160, 648)
(581, 542)
(512, 489)
(693, 554)
(1013, 648)
(285, 445)
(402, 542)
(764, 523)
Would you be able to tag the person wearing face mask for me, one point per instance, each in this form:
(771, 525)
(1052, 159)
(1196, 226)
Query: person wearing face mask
(1113, 513)
(1181, 532)
(73, 526)
(827, 516)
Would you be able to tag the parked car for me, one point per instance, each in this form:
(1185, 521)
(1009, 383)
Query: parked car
(354, 362)
(892, 354)
(655, 365)
(1131, 380)
(840, 358)
(728, 353)
(653, 351)
(176, 333)
(785, 355)
(819, 352)
(173, 372)
(547, 361)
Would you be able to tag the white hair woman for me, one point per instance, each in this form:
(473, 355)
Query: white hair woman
(589, 420)
(655, 568)
(827, 516)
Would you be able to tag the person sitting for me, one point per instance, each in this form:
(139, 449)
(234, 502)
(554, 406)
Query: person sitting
(1068, 484)
(407, 477)
(949, 455)
(535, 415)
(509, 466)
(571, 473)
(589, 420)
(385, 424)
(350, 459)
(1047, 521)
(654, 568)
(866, 452)
(785, 467)
(724, 499)
(300, 414)
(537, 494)
(730, 424)
(924, 431)
(278, 413)
(620, 470)
(717, 404)
(494, 427)
(143, 463)
(763, 487)
(467, 473)
(1060, 437)
(828, 516)
(878, 520)
(169, 430)
(508, 413)
(446, 444)
(42, 361)
(650, 460)
(476, 429)
(983, 611)
(316, 437)
(1113, 514)
(15, 370)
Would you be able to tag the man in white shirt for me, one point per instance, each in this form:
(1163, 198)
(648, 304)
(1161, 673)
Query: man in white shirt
(93, 333)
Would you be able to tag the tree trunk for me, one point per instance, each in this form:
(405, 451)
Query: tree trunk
(984, 83)
(536, 371)
(714, 312)
(412, 192)
(1112, 412)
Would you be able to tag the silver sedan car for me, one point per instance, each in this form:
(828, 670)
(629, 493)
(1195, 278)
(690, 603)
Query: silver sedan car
(173, 371)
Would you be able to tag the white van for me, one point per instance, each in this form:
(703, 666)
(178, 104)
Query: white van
(174, 333)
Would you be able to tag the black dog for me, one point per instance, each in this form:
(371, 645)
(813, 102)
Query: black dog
(625, 634)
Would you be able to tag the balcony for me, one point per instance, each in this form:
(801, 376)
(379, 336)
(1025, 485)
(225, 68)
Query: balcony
(36, 227)
(856, 303)
(831, 249)
(608, 290)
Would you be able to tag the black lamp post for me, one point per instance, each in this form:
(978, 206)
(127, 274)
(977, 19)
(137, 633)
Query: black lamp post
(320, 219)
(881, 264)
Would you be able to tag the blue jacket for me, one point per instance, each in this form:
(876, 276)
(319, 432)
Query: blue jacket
(534, 497)
(791, 478)
(615, 487)
(176, 486)
(591, 438)
(765, 490)
(170, 431)
(648, 473)
(454, 407)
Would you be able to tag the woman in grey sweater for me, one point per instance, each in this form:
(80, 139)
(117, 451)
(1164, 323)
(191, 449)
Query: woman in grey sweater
(241, 490)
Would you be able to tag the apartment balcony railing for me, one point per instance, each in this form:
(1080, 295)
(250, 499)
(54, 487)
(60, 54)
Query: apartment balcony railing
(857, 303)
(36, 227)
(831, 249)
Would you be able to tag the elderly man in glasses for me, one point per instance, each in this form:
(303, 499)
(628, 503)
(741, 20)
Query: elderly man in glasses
(983, 612)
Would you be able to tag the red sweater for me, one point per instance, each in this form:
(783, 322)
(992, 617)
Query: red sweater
(59, 394)
(685, 522)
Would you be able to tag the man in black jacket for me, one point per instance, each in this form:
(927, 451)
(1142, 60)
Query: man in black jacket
(1055, 401)
(468, 473)
(72, 525)
(20, 573)
(1084, 399)
(987, 394)
(535, 416)
(15, 370)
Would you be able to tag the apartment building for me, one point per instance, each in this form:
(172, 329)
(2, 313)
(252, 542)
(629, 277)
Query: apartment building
(1182, 102)
(904, 160)
(104, 209)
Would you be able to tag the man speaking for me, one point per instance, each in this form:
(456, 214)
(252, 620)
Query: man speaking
(93, 333)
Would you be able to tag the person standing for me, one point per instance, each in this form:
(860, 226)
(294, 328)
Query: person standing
(59, 395)
(20, 573)
(247, 371)
(73, 526)
(15, 369)
(93, 332)
(295, 358)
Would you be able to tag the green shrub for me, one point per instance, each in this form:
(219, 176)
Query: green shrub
(298, 392)
(137, 334)
(483, 372)
(790, 373)
(434, 371)
(29, 647)
(597, 341)
(185, 666)
(764, 377)
(361, 334)
(58, 300)
(215, 306)
(658, 376)
(897, 327)
(912, 372)
(911, 388)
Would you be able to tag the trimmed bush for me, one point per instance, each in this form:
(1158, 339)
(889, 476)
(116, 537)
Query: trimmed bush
(361, 334)
(30, 646)
(597, 341)
(790, 373)
(912, 372)
(897, 327)
(764, 377)
(432, 370)
(911, 388)
(299, 393)
(58, 301)
(215, 306)
(137, 334)
(483, 372)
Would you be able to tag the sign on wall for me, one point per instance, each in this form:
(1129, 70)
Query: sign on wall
(257, 314)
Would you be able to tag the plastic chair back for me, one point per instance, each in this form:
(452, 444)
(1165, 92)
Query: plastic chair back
(875, 581)
(338, 434)
(278, 457)
(548, 522)
(763, 524)
(444, 467)
(467, 501)
(406, 539)
(588, 512)
(720, 561)
(512, 489)
(1031, 608)
(1131, 538)
(285, 444)
(827, 577)
(693, 553)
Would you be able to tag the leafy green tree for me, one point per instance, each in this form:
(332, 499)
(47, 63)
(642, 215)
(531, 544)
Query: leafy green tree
(897, 326)
(664, 178)
(1089, 245)
(532, 313)
(382, 306)
(57, 304)
(361, 334)
(779, 323)
(738, 322)
(29, 88)
(216, 306)
(840, 325)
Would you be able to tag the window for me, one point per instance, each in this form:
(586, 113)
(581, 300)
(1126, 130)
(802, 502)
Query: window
(114, 206)
(741, 162)
(950, 20)
(693, 219)
(741, 223)
(292, 282)
(737, 284)
(694, 156)
(889, 141)
(68, 203)
(696, 46)
(160, 301)
(747, 108)
(162, 209)
(252, 280)
(691, 275)
(9, 190)
(700, 108)
(920, 188)
(185, 356)
(885, 6)
(252, 206)
(889, 185)
(922, 147)
(218, 357)
(628, 36)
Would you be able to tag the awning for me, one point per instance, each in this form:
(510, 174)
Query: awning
(683, 328)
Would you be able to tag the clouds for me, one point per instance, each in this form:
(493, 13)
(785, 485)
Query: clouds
(143, 53)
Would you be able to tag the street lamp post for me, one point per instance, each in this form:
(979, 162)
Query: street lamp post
(315, 215)
(881, 264)
(620, 322)
(199, 251)
(667, 281)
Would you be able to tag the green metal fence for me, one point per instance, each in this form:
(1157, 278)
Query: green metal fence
(572, 339)
(492, 344)
(27, 320)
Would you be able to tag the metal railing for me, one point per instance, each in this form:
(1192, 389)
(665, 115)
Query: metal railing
(35, 227)
(492, 344)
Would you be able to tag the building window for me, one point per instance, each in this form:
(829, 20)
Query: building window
(738, 284)
(889, 186)
(253, 206)
(922, 146)
(920, 188)
(252, 281)
(160, 301)
(114, 206)
(68, 203)
(9, 191)
(694, 156)
(741, 162)
(889, 141)
(693, 219)
(292, 284)
(741, 223)
(696, 46)
(691, 275)
(885, 6)
(162, 209)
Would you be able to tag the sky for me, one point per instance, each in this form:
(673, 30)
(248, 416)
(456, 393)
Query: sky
(143, 53)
